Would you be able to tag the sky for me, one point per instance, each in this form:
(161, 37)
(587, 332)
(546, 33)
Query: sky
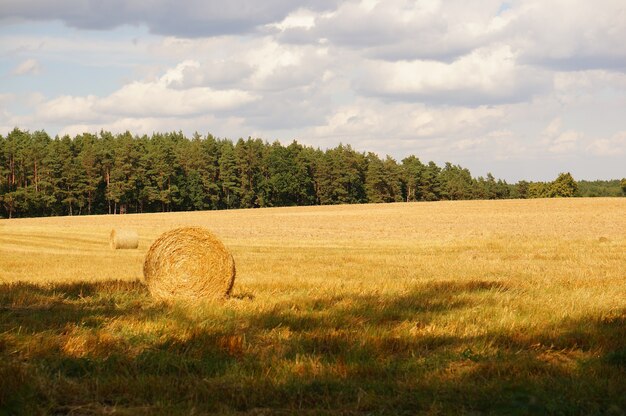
(520, 89)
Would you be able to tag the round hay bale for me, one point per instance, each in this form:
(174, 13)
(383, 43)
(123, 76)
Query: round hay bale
(123, 239)
(189, 262)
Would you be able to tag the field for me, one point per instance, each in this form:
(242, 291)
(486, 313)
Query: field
(477, 307)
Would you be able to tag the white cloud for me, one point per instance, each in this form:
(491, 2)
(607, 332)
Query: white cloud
(141, 99)
(404, 29)
(571, 34)
(565, 142)
(614, 146)
(69, 109)
(27, 67)
(301, 18)
(557, 141)
(370, 118)
(484, 76)
(156, 99)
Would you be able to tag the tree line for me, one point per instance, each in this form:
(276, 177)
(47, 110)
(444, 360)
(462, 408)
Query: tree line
(123, 173)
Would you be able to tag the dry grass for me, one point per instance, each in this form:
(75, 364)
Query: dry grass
(497, 307)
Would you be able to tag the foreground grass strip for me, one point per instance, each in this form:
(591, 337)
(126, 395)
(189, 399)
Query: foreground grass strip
(89, 347)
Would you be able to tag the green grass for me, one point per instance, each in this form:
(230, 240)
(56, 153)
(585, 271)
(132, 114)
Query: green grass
(95, 348)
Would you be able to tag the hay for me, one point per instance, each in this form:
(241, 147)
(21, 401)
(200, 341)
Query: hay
(189, 263)
(123, 239)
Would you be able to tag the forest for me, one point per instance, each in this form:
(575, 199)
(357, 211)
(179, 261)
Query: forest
(109, 173)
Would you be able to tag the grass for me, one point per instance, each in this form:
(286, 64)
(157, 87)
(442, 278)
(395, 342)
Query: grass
(501, 307)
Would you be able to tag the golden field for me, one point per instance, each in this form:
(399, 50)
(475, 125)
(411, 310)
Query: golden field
(439, 308)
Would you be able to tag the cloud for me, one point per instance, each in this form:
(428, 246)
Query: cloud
(69, 109)
(570, 35)
(525, 81)
(557, 141)
(614, 146)
(27, 67)
(141, 99)
(403, 29)
(194, 18)
(485, 76)
(370, 118)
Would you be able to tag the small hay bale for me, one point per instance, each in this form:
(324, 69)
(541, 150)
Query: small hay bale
(191, 263)
(123, 239)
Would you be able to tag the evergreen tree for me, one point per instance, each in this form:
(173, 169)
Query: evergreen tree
(522, 189)
(210, 171)
(89, 160)
(375, 179)
(192, 160)
(382, 182)
(254, 173)
(342, 176)
(413, 177)
(229, 180)
(456, 182)
(161, 188)
(430, 187)
(303, 172)
(123, 173)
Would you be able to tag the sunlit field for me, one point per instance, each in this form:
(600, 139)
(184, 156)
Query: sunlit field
(474, 307)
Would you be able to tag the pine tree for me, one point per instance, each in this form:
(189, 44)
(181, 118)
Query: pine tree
(89, 160)
(412, 177)
(521, 189)
(430, 187)
(251, 169)
(456, 182)
(229, 179)
(374, 179)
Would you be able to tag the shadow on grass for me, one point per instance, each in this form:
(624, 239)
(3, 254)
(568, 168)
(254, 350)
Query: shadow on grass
(93, 348)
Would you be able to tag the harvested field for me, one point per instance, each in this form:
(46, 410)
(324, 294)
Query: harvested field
(490, 307)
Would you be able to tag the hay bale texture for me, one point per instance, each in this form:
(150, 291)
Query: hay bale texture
(123, 239)
(189, 263)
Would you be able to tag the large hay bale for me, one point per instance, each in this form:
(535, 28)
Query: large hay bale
(123, 239)
(190, 263)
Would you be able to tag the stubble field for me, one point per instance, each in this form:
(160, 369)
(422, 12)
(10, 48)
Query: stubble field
(477, 307)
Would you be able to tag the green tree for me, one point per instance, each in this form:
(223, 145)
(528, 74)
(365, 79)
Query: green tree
(199, 175)
(430, 187)
(382, 182)
(623, 185)
(456, 182)
(564, 186)
(412, 176)
(228, 177)
(252, 172)
(162, 166)
(90, 163)
(521, 189)
(342, 176)
(538, 190)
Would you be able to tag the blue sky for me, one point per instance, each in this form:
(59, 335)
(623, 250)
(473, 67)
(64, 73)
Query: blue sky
(522, 89)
